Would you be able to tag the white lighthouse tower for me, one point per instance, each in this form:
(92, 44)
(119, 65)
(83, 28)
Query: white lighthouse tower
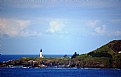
(41, 56)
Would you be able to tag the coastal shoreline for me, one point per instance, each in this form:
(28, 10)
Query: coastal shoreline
(107, 56)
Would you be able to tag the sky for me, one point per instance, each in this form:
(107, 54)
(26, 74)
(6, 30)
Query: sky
(58, 26)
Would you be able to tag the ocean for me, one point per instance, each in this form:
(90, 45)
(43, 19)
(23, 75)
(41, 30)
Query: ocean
(58, 72)
(54, 72)
(14, 57)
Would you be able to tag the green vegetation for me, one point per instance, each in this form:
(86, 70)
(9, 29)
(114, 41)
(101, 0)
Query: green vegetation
(107, 56)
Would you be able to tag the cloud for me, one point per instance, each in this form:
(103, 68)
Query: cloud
(100, 29)
(12, 27)
(97, 26)
(55, 26)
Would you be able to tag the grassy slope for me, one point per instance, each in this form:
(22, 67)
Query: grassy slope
(105, 56)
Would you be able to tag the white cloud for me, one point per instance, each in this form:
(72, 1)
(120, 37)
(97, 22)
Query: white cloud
(55, 26)
(97, 26)
(12, 27)
(100, 29)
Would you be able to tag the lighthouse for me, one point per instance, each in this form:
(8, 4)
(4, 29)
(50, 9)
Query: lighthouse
(41, 56)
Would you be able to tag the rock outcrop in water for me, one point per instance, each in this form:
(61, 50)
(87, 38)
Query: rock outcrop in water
(107, 56)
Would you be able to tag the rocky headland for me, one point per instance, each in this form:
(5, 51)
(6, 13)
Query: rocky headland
(107, 56)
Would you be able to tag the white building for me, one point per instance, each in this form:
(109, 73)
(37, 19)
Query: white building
(41, 56)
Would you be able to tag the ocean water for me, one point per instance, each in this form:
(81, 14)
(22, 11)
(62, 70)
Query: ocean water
(53, 72)
(14, 57)
(58, 72)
